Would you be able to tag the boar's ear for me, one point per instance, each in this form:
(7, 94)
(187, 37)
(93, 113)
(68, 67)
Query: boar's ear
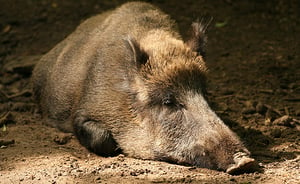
(139, 56)
(198, 39)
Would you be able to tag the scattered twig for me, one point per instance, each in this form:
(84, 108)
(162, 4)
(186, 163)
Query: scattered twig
(284, 121)
(268, 91)
(25, 93)
(273, 109)
(3, 95)
(225, 96)
(286, 110)
(6, 118)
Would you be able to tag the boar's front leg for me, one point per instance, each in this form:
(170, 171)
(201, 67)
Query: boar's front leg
(91, 135)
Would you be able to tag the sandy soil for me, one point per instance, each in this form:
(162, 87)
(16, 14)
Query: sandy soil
(254, 85)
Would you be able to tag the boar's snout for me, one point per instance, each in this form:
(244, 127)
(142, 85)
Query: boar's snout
(242, 164)
(221, 158)
(202, 139)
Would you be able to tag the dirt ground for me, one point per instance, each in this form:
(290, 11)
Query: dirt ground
(254, 85)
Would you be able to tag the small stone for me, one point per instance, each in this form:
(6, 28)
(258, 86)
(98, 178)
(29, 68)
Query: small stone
(6, 29)
(268, 122)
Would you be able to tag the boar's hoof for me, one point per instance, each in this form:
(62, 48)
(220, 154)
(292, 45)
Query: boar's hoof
(96, 139)
(243, 164)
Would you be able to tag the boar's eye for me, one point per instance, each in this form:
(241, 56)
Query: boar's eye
(169, 100)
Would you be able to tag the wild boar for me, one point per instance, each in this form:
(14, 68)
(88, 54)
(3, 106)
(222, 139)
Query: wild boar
(126, 81)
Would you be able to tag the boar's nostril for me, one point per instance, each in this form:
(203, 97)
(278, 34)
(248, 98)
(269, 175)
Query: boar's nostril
(243, 165)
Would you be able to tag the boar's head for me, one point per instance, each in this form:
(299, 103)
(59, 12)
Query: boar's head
(169, 101)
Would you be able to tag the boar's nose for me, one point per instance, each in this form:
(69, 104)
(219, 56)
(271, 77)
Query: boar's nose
(242, 164)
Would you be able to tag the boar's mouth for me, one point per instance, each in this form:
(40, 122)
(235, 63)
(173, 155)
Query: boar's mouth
(187, 159)
(243, 164)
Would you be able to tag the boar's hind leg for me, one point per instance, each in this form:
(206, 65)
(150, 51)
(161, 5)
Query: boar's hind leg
(95, 138)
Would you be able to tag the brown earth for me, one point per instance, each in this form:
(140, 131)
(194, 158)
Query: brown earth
(253, 57)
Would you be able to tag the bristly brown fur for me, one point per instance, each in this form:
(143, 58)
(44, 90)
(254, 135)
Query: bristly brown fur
(177, 66)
